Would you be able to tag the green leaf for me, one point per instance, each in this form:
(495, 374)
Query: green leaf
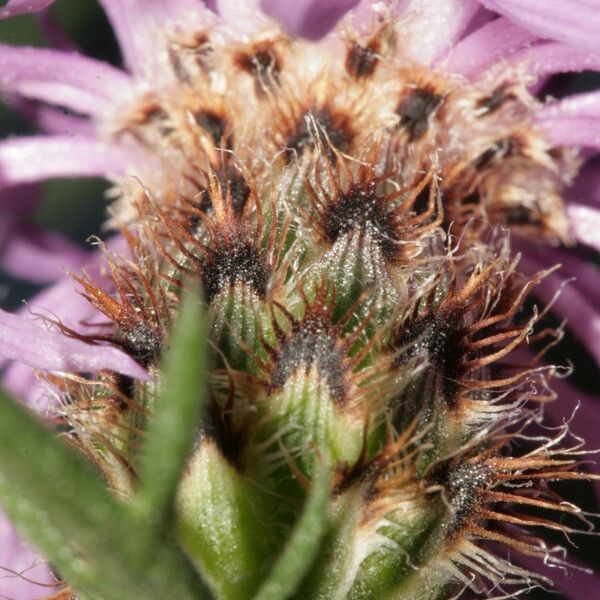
(174, 424)
(62, 505)
(302, 547)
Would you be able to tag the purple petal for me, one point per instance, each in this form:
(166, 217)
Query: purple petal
(20, 381)
(580, 310)
(19, 7)
(584, 132)
(242, 18)
(546, 59)
(586, 187)
(49, 118)
(32, 343)
(54, 120)
(74, 311)
(481, 17)
(578, 106)
(139, 25)
(17, 557)
(575, 585)
(584, 410)
(585, 222)
(25, 160)
(573, 121)
(432, 27)
(18, 201)
(574, 22)
(487, 45)
(586, 274)
(39, 256)
(55, 35)
(363, 15)
(82, 84)
(311, 19)
(63, 300)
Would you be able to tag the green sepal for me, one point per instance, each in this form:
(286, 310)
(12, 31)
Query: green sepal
(238, 319)
(354, 276)
(227, 524)
(301, 417)
(389, 571)
(361, 560)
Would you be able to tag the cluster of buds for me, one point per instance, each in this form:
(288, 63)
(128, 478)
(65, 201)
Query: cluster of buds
(346, 223)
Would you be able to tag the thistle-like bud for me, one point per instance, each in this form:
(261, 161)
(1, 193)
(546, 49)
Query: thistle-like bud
(362, 313)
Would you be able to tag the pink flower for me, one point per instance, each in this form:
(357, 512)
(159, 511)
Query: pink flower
(532, 40)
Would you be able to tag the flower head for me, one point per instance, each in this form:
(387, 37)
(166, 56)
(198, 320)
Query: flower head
(394, 136)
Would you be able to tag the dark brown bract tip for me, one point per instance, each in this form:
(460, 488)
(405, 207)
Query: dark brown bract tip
(464, 340)
(362, 61)
(215, 125)
(234, 182)
(364, 55)
(346, 198)
(491, 496)
(438, 336)
(233, 261)
(331, 129)
(224, 241)
(140, 315)
(494, 101)
(331, 347)
(464, 483)
(313, 341)
(498, 151)
(263, 62)
(415, 110)
(234, 186)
